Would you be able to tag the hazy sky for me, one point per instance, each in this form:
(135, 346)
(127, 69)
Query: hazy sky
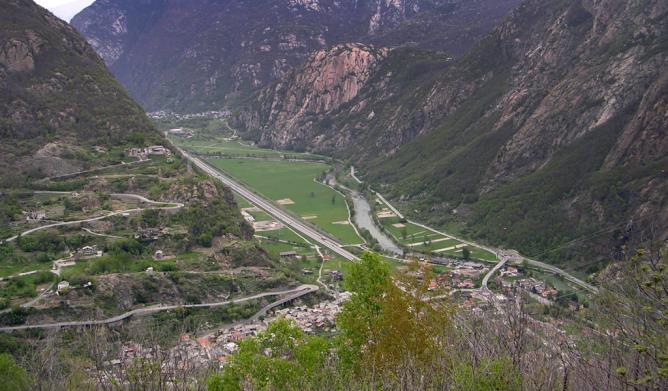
(64, 9)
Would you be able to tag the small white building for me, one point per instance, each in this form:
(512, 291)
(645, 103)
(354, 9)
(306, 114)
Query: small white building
(158, 150)
(159, 255)
(35, 215)
(88, 250)
(63, 286)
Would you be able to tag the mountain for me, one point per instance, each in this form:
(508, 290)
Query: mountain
(58, 99)
(552, 128)
(200, 54)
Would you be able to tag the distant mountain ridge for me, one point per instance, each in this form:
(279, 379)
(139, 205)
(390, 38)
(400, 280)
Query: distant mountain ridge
(58, 99)
(198, 55)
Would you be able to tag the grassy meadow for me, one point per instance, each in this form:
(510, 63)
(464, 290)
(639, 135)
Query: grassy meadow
(295, 181)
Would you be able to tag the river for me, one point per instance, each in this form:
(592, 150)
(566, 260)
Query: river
(363, 218)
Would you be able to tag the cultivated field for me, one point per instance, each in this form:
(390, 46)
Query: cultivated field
(422, 240)
(293, 184)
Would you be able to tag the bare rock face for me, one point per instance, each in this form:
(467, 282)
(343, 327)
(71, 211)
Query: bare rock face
(603, 84)
(16, 56)
(328, 80)
(202, 191)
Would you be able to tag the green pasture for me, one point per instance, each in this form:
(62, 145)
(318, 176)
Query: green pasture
(282, 234)
(279, 180)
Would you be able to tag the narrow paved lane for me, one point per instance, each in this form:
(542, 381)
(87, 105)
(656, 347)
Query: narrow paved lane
(167, 206)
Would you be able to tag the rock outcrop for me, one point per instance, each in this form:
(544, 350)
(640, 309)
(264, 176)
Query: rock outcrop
(328, 80)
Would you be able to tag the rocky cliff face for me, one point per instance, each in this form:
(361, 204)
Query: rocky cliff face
(196, 55)
(562, 100)
(329, 79)
(57, 96)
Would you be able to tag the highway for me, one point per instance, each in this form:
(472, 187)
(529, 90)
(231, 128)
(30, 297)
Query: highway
(294, 293)
(271, 209)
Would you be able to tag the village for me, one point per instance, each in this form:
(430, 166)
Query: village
(169, 115)
(215, 348)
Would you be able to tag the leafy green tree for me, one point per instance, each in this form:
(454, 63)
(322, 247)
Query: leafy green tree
(12, 376)
(368, 280)
(466, 253)
(281, 358)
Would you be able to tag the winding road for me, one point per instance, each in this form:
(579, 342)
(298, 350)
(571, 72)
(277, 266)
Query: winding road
(170, 206)
(270, 208)
(293, 294)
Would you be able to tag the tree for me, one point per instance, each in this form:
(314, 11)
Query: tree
(12, 376)
(281, 358)
(466, 253)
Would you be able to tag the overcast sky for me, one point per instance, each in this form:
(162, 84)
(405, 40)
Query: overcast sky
(65, 9)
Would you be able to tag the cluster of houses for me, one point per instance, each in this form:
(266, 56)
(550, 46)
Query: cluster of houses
(213, 114)
(215, 348)
(317, 318)
(532, 285)
(144, 153)
(462, 276)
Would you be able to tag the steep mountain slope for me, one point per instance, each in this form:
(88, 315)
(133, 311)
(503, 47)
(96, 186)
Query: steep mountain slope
(200, 54)
(58, 99)
(552, 128)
